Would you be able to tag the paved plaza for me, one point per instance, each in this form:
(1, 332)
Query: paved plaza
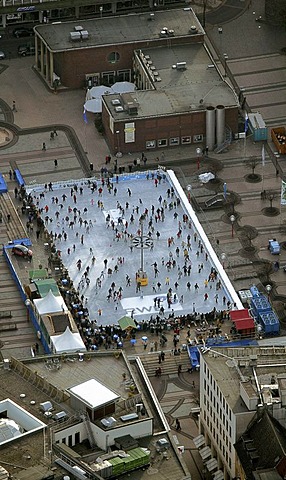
(103, 221)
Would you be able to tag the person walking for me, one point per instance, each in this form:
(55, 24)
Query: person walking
(55, 163)
(14, 109)
(178, 425)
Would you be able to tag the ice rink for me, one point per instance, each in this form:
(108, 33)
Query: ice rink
(96, 220)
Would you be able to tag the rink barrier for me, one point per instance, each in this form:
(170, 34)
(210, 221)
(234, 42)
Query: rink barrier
(226, 283)
(84, 182)
(170, 177)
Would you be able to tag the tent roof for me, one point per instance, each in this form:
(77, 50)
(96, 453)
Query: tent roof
(244, 324)
(68, 342)
(50, 304)
(94, 393)
(126, 322)
(45, 285)
(38, 274)
(239, 314)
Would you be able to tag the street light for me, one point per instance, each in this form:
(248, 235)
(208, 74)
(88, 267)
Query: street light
(118, 153)
(189, 188)
(232, 219)
(199, 154)
(28, 303)
(225, 56)
(101, 10)
(268, 290)
(223, 257)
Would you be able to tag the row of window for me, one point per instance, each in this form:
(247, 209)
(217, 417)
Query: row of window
(164, 142)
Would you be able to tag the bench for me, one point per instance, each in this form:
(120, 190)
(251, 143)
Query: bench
(6, 314)
(5, 327)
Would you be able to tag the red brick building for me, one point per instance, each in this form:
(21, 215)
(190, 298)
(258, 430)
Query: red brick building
(178, 86)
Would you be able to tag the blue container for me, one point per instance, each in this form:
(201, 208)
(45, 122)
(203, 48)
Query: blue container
(257, 127)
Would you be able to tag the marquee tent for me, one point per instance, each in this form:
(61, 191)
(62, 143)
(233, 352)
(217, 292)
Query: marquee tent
(67, 342)
(50, 304)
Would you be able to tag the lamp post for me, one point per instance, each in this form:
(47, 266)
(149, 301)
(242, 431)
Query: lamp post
(223, 257)
(189, 188)
(199, 154)
(28, 303)
(118, 143)
(232, 219)
(268, 290)
(225, 56)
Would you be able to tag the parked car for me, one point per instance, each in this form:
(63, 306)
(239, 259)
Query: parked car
(23, 32)
(2, 55)
(22, 251)
(24, 50)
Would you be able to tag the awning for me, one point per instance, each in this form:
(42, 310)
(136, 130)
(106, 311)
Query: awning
(212, 464)
(199, 441)
(245, 324)
(218, 475)
(205, 453)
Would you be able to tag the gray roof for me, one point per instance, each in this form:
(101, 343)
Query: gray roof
(179, 91)
(117, 30)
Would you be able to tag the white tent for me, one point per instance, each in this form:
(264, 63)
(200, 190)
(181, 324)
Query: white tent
(67, 342)
(50, 304)
(123, 87)
(97, 92)
(94, 105)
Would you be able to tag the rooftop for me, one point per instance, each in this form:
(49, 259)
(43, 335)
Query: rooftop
(93, 393)
(197, 86)
(129, 28)
(230, 366)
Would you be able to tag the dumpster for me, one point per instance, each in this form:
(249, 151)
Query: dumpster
(257, 127)
(278, 136)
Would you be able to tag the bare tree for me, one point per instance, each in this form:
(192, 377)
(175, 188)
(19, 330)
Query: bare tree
(252, 163)
(270, 196)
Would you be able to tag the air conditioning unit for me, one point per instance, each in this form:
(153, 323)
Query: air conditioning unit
(75, 36)
(116, 101)
(119, 109)
(181, 65)
(84, 34)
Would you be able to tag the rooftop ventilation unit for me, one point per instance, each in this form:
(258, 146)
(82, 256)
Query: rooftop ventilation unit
(75, 36)
(108, 422)
(181, 65)
(84, 34)
(193, 29)
(78, 28)
(116, 101)
(119, 109)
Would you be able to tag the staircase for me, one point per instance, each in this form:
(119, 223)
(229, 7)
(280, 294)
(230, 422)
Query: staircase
(17, 334)
(89, 431)
(170, 364)
(226, 143)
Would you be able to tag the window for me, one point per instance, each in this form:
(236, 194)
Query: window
(108, 77)
(151, 144)
(198, 138)
(163, 142)
(113, 57)
(186, 140)
(123, 75)
(174, 141)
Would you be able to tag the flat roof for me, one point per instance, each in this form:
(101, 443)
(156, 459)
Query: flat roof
(93, 393)
(179, 91)
(121, 29)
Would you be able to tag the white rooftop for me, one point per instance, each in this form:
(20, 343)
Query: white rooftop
(94, 393)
